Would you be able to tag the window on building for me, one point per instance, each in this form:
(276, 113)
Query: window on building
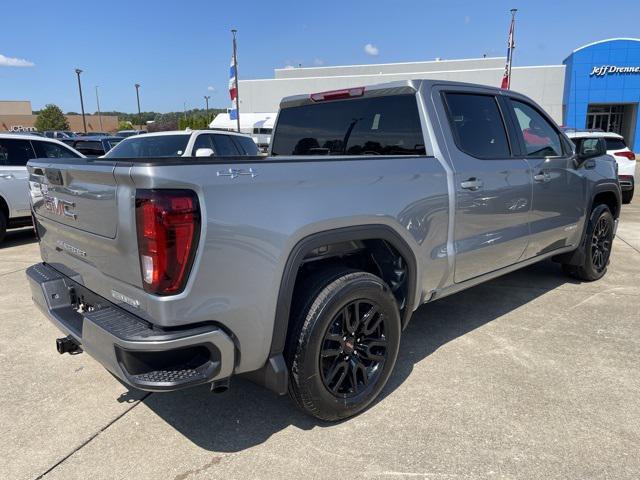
(477, 125)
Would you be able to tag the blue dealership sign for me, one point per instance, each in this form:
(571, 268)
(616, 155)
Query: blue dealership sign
(602, 88)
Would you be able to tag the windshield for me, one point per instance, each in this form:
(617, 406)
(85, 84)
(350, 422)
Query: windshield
(150, 146)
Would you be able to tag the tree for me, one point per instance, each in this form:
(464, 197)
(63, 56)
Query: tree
(124, 125)
(51, 118)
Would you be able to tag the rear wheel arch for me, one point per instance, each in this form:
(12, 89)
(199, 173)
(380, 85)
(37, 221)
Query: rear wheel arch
(609, 195)
(372, 237)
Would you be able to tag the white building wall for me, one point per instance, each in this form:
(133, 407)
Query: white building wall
(380, 68)
(544, 84)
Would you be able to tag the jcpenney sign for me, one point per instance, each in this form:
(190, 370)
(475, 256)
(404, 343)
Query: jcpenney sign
(603, 70)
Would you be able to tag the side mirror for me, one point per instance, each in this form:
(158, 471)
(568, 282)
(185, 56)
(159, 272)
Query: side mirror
(590, 148)
(204, 152)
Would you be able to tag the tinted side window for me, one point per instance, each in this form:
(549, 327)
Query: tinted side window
(51, 150)
(540, 137)
(477, 125)
(245, 145)
(15, 152)
(387, 125)
(224, 146)
(202, 141)
(615, 143)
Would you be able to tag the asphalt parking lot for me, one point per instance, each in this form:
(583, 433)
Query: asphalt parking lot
(532, 375)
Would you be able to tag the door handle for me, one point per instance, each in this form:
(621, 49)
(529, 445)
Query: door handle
(472, 184)
(542, 177)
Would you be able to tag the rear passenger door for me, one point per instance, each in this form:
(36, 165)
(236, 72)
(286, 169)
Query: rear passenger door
(559, 191)
(14, 155)
(492, 187)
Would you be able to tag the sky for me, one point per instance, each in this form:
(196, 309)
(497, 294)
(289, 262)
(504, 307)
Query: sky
(179, 51)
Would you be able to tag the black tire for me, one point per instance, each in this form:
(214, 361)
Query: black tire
(340, 354)
(3, 226)
(627, 196)
(596, 245)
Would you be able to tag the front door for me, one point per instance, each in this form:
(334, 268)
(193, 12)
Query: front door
(493, 189)
(559, 191)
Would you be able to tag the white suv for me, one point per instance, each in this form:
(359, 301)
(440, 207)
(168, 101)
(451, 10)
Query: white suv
(15, 151)
(185, 143)
(617, 148)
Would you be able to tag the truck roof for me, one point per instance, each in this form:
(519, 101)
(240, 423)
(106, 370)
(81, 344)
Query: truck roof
(390, 88)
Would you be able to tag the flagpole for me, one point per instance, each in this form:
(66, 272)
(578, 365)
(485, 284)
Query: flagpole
(235, 65)
(512, 46)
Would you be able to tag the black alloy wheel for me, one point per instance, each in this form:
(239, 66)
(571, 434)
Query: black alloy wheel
(601, 243)
(354, 348)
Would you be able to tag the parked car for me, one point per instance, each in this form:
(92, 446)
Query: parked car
(616, 147)
(185, 143)
(300, 270)
(93, 146)
(59, 134)
(129, 133)
(15, 151)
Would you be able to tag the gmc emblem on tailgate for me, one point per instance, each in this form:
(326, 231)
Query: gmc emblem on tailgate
(59, 207)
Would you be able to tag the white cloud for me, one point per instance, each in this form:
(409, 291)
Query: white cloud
(15, 62)
(288, 66)
(371, 49)
(318, 62)
(211, 88)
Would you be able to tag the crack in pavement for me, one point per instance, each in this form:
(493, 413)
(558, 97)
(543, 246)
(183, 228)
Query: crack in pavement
(91, 438)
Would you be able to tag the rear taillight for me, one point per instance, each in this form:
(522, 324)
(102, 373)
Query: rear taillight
(168, 223)
(337, 94)
(629, 155)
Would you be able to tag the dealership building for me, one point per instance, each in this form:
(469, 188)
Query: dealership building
(596, 86)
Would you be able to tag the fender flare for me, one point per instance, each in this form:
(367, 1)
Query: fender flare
(318, 239)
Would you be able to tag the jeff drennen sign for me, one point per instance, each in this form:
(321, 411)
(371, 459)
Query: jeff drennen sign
(603, 70)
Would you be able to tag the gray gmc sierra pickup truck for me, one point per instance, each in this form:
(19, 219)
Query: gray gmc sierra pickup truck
(300, 270)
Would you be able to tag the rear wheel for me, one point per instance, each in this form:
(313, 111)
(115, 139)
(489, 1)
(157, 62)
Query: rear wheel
(627, 196)
(344, 346)
(596, 245)
(3, 225)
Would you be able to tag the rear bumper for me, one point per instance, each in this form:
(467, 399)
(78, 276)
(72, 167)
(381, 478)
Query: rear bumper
(136, 352)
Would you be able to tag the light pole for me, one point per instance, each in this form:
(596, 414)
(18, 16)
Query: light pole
(206, 99)
(84, 123)
(137, 85)
(98, 103)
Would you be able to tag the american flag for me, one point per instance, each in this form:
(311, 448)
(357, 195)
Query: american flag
(506, 78)
(233, 91)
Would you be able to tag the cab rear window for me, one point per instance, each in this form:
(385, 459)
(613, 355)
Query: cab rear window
(387, 125)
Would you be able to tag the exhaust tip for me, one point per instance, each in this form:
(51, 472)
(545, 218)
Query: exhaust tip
(220, 386)
(67, 345)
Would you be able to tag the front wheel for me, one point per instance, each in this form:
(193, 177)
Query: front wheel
(596, 245)
(344, 346)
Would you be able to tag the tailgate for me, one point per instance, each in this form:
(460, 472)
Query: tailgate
(86, 220)
(81, 196)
